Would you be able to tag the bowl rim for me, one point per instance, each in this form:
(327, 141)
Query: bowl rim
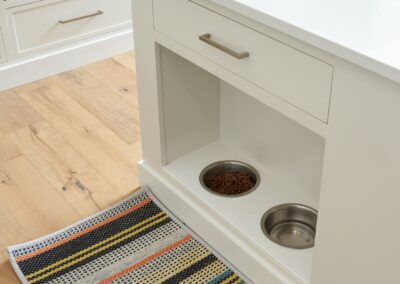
(285, 205)
(217, 163)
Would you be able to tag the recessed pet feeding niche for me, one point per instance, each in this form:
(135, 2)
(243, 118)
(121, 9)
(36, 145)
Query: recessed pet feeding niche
(220, 142)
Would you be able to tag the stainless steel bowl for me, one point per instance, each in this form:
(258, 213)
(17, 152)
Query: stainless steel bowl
(291, 225)
(228, 166)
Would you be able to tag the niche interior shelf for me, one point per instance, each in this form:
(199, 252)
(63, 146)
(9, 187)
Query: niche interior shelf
(244, 213)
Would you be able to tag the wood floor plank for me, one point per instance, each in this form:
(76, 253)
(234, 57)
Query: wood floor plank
(65, 168)
(34, 203)
(121, 80)
(114, 109)
(8, 150)
(7, 275)
(127, 59)
(15, 112)
(108, 154)
(11, 232)
(137, 146)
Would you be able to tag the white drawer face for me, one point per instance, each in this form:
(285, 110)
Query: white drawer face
(43, 25)
(297, 78)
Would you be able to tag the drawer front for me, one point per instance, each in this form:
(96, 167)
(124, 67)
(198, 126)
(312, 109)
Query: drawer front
(295, 77)
(52, 23)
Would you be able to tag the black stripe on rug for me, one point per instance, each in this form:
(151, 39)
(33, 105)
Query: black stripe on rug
(187, 272)
(56, 254)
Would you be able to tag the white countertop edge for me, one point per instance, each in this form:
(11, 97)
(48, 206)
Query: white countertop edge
(348, 54)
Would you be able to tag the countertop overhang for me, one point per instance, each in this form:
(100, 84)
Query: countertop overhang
(364, 32)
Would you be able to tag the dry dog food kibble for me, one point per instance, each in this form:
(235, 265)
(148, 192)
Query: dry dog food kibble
(231, 183)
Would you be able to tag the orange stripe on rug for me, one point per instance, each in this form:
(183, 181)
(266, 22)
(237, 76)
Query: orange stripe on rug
(81, 233)
(146, 260)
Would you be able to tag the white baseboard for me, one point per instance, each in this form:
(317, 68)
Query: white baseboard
(43, 65)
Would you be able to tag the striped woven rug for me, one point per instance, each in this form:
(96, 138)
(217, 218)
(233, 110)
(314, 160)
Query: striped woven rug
(136, 241)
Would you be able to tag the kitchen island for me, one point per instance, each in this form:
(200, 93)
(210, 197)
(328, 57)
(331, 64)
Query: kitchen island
(308, 94)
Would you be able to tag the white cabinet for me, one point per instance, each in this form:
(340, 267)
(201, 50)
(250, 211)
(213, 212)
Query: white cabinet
(214, 85)
(203, 97)
(46, 37)
(49, 24)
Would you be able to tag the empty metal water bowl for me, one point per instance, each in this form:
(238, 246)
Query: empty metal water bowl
(224, 167)
(291, 225)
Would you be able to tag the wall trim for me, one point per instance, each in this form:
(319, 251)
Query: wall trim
(42, 65)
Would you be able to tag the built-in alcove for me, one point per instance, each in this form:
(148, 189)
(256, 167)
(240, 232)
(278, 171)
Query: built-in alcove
(206, 119)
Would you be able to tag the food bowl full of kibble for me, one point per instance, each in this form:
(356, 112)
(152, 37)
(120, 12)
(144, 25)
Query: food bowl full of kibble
(229, 178)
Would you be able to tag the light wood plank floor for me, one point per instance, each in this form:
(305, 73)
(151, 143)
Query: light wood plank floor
(69, 145)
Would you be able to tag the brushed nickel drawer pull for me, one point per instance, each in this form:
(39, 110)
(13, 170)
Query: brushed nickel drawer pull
(98, 13)
(207, 39)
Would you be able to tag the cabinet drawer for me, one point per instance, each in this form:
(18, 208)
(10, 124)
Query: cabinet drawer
(295, 77)
(51, 23)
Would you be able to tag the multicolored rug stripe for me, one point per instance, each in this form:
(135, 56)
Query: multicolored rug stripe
(135, 241)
